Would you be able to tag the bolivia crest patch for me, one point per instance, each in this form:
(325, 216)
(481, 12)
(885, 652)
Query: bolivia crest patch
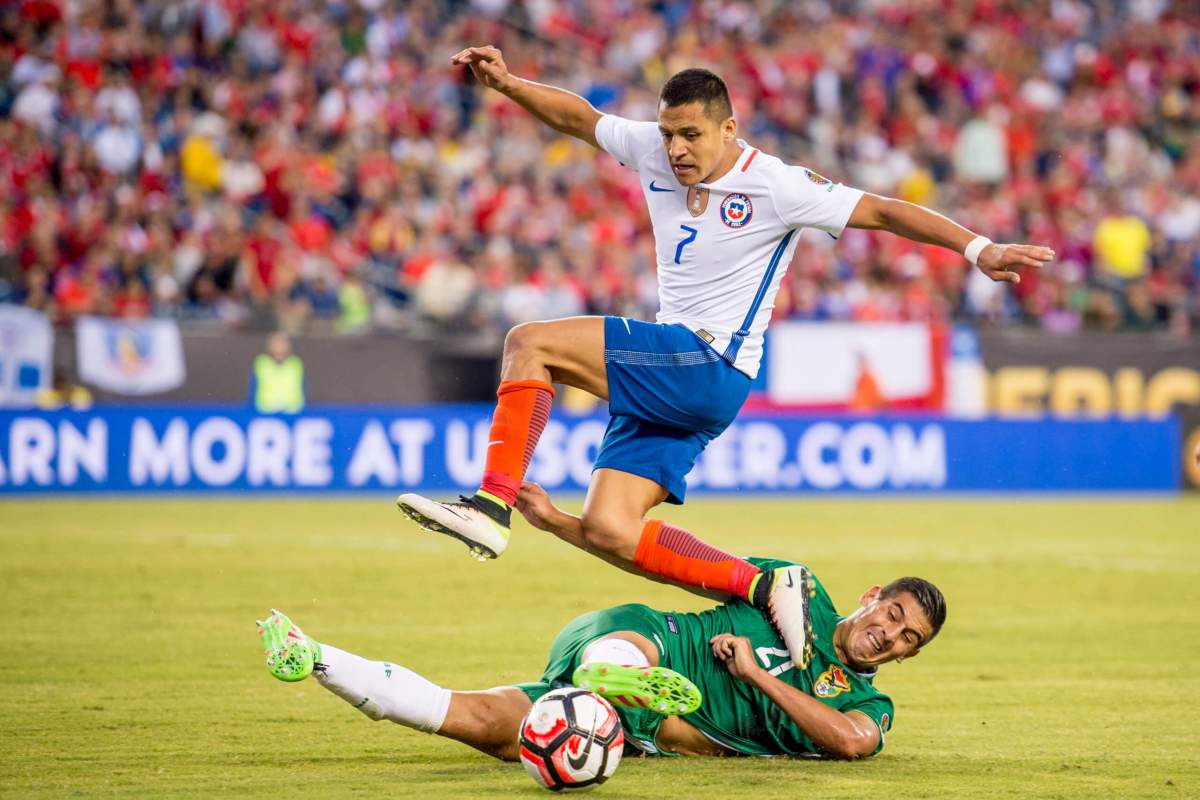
(831, 683)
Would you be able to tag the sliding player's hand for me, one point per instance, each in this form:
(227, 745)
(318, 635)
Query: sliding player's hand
(486, 64)
(534, 504)
(1000, 261)
(736, 654)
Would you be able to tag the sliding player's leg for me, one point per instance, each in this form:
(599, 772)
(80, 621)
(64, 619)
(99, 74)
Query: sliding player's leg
(536, 355)
(624, 667)
(489, 721)
(602, 650)
(486, 720)
(619, 653)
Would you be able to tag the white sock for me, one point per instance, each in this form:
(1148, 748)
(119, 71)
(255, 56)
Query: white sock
(615, 651)
(383, 691)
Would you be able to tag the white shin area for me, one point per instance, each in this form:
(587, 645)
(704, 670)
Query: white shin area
(615, 651)
(383, 690)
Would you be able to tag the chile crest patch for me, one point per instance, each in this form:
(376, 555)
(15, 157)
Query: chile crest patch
(736, 209)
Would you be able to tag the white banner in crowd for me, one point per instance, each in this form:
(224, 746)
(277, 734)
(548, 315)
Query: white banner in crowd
(134, 357)
(26, 355)
(823, 364)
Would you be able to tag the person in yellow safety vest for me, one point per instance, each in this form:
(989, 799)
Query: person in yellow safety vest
(277, 384)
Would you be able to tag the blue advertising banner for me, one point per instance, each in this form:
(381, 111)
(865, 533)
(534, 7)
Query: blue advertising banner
(195, 449)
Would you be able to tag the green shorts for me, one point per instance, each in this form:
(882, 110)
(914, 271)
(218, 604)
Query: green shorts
(641, 726)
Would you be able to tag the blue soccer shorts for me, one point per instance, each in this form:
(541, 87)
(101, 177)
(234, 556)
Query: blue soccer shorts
(669, 394)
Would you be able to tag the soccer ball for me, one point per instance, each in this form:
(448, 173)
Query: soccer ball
(571, 739)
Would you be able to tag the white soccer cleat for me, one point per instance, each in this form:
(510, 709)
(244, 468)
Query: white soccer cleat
(790, 593)
(480, 524)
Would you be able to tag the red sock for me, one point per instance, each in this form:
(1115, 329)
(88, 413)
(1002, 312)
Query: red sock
(678, 556)
(520, 417)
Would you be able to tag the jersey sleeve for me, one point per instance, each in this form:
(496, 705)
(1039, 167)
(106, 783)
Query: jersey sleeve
(626, 140)
(768, 564)
(881, 710)
(808, 200)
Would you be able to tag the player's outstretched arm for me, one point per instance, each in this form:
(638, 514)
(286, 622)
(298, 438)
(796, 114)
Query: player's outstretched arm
(564, 111)
(998, 261)
(849, 735)
(540, 512)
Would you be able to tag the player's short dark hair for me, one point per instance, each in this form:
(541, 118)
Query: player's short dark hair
(698, 85)
(928, 597)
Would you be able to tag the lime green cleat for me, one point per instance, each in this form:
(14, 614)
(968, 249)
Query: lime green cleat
(654, 688)
(290, 654)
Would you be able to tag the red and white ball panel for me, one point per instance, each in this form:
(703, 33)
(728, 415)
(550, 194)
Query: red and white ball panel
(546, 721)
(571, 739)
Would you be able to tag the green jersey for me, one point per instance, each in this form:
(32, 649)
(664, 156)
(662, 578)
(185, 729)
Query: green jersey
(740, 716)
(733, 714)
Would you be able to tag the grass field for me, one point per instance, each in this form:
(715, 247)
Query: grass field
(131, 666)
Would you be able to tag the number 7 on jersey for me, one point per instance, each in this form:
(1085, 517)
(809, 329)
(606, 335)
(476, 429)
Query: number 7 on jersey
(685, 241)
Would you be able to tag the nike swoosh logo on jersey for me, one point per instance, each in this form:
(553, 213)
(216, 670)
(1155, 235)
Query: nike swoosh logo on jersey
(654, 188)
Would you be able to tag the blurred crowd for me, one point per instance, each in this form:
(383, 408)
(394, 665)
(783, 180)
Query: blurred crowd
(318, 163)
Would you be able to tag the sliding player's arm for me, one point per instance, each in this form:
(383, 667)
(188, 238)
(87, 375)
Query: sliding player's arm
(843, 735)
(535, 505)
(564, 111)
(997, 261)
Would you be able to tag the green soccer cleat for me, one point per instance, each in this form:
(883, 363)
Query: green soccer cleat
(654, 688)
(290, 654)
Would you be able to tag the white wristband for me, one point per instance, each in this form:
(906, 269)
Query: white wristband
(975, 248)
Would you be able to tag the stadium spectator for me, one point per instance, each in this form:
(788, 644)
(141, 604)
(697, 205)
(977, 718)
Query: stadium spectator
(255, 155)
(1122, 247)
(277, 382)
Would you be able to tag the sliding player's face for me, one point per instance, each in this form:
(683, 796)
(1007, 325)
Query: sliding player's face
(695, 142)
(885, 629)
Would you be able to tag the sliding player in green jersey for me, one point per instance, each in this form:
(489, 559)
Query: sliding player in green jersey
(727, 669)
(757, 701)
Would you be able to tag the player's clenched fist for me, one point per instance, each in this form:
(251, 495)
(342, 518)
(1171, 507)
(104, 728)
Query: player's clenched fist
(486, 64)
(736, 654)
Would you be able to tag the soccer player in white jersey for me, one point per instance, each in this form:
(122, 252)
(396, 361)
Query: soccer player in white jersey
(726, 218)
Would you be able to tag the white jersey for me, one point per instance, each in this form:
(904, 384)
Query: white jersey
(718, 273)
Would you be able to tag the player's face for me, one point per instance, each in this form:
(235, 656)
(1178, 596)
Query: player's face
(696, 144)
(885, 629)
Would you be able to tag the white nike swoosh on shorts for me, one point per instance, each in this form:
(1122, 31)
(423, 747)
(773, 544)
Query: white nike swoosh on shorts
(626, 321)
